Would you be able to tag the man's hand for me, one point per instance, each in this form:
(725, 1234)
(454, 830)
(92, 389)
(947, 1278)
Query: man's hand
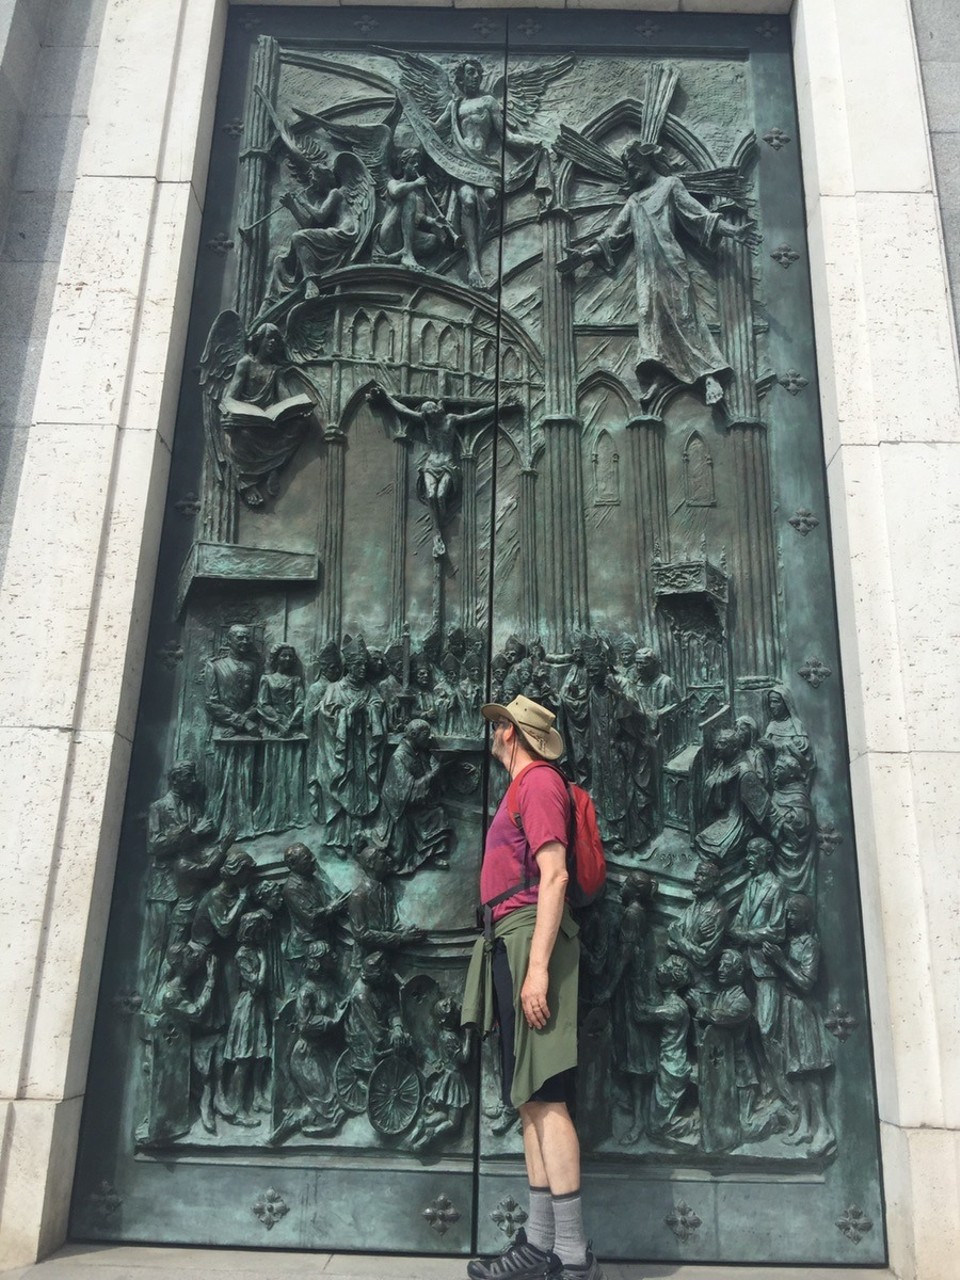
(533, 998)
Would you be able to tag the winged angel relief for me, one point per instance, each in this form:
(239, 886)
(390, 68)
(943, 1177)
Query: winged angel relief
(256, 406)
(461, 126)
(451, 122)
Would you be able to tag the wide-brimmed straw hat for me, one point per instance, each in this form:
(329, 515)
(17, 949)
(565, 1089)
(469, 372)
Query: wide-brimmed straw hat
(533, 722)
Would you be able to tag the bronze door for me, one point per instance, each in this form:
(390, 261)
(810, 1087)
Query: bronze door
(501, 380)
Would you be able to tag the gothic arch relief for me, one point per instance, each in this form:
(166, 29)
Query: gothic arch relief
(698, 483)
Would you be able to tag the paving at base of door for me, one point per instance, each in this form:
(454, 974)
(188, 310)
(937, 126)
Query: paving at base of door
(129, 1262)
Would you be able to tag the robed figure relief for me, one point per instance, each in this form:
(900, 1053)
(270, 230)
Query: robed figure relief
(674, 342)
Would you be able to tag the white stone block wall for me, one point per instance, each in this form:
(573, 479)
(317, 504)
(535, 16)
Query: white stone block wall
(937, 25)
(83, 543)
(47, 55)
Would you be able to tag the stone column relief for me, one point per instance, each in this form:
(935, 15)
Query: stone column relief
(481, 403)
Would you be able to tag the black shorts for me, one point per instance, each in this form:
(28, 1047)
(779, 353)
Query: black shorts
(559, 1088)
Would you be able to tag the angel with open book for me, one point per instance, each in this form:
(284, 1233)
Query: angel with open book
(257, 406)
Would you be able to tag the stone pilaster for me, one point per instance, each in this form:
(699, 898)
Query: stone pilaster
(564, 603)
(252, 246)
(398, 561)
(649, 484)
(756, 650)
(468, 557)
(564, 599)
(331, 536)
(529, 612)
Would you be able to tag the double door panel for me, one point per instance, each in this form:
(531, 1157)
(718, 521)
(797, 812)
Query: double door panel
(501, 379)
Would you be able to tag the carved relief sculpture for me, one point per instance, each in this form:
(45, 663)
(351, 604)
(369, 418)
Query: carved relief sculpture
(488, 407)
(674, 343)
(461, 126)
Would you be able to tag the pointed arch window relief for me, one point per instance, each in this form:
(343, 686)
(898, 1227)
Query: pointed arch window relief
(488, 357)
(511, 364)
(698, 473)
(606, 472)
(361, 337)
(449, 349)
(429, 347)
(383, 340)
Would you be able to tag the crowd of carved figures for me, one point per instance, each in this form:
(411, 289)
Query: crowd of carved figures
(355, 748)
(259, 1016)
(278, 995)
(716, 1035)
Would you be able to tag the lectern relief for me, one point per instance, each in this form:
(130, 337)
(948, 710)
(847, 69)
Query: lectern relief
(487, 402)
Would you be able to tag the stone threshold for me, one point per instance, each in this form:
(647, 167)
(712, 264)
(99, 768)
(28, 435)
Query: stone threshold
(148, 1262)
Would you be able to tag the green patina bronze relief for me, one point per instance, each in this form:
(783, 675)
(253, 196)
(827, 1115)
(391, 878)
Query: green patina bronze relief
(500, 379)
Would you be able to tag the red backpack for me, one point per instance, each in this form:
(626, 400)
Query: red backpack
(586, 861)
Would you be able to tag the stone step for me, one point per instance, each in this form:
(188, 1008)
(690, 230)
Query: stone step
(143, 1262)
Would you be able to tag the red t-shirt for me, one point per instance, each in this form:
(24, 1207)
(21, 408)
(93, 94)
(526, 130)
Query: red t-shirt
(509, 854)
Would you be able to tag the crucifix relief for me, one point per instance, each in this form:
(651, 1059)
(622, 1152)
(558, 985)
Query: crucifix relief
(440, 465)
(439, 471)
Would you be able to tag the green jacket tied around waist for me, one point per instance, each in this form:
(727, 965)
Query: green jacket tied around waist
(539, 1053)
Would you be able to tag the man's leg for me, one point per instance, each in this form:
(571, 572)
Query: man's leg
(529, 1256)
(551, 1146)
(539, 1225)
(552, 1149)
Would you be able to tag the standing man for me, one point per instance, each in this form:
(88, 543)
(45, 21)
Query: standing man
(524, 973)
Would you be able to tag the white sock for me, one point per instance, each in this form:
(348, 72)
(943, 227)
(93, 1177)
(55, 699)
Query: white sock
(570, 1244)
(539, 1225)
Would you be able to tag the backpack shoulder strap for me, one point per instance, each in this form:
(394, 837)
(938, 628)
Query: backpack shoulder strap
(513, 791)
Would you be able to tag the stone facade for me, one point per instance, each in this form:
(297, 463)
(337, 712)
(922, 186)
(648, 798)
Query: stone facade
(87, 415)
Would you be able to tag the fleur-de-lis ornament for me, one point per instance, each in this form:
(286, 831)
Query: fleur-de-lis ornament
(683, 1222)
(776, 138)
(220, 244)
(509, 1216)
(441, 1214)
(793, 381)
(270, 1207)
(814, 672)
(803, 521)
(785, 256)
(840, 1023)
(854, 1223)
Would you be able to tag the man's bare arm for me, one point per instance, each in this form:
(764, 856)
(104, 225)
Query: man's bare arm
(552, 860)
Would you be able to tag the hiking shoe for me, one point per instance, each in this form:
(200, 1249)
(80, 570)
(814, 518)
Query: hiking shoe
(589, 1271)
(519, 1261)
